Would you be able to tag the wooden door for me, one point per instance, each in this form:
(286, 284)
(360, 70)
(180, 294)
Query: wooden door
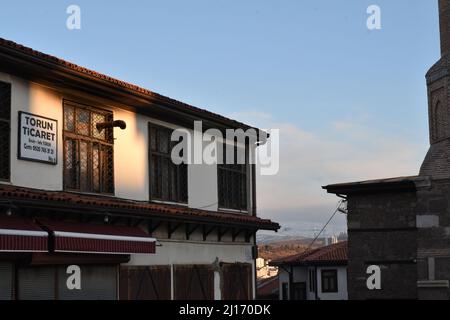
(145, 283)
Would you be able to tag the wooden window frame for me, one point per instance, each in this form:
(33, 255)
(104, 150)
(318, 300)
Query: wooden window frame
(104, 145)
(179, 198)
(7, 122)
(244, 175)
(332, 275)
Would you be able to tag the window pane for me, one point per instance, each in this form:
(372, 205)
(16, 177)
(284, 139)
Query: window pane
(98, 118)
(168, 181)
(70, 164)
(5, 141)
(4, 150)
(155, 177)
(69, 118)
(96, 167)
(173, 185)
(153, 139)
(232, 178)
(83, 122)
(163, 141)
(84, 178)
(243, 192)
(107, 169)
(183, 181)
(329, 281)
(165, 179)
(89, 164)
(5, 101)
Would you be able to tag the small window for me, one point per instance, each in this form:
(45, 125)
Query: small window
(329, 281)
(168, 181)
(232, 179)
(5, 134)
(88, 152)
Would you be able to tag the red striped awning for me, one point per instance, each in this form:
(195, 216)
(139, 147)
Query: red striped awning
(104, 239)
(21, 235)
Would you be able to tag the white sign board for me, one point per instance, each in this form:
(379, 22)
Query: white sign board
(38, 138)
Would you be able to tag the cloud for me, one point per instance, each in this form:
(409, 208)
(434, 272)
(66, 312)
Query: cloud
(350, 150)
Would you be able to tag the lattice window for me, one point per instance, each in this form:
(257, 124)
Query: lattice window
(5, 131)
(168, 181)
(88, 152)
(232, 179)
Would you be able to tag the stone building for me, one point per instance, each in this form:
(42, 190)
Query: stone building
(403, 224)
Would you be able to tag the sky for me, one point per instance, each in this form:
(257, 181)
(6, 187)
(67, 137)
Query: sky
(350, 102)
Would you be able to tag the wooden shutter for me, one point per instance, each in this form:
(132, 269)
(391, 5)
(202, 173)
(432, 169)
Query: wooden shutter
(5, 130)
(194, 282)
(237, 281)
(145, 283)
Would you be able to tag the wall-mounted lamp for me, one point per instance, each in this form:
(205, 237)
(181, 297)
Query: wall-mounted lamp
(9, 212)
(112, 124)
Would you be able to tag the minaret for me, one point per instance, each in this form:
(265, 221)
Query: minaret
(444, 24)
(437, 161)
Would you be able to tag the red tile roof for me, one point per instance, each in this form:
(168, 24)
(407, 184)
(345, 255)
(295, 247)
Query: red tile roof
(111, 204)
(71, 66)
(333, 254)
(267, 287)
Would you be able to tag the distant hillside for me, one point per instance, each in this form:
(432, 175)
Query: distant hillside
(299, 230)
(284, 248)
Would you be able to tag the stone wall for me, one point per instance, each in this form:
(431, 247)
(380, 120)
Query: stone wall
(382, 232)
(433, 240)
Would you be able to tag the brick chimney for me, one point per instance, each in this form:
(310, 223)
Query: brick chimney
(444, 23)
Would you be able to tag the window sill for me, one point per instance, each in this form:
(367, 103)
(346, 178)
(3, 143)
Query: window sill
(110, 195)
(183, 204)
(233, 211)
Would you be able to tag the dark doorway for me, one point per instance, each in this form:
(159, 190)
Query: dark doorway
(299, 291)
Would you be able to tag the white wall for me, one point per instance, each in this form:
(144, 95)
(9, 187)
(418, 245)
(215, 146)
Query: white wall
(192, 252)
(29, 97)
